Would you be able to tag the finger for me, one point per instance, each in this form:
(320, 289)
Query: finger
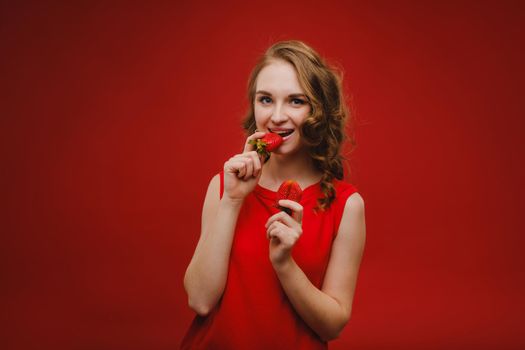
(297, 209)
(272, 219)
(249, 168)
(280, 231)
(247, 146)
(244, 155)
(257, 166)
(286, 222)
(241, 169)
(280, 217)
(273, 232)
(295, 220)
(232, 166)
(253, 162)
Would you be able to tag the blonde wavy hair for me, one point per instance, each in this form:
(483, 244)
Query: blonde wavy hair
(323, 131)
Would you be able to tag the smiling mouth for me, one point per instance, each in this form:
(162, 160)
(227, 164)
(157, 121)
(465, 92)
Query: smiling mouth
(283, 134)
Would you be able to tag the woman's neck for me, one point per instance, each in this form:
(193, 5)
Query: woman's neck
(298, 167)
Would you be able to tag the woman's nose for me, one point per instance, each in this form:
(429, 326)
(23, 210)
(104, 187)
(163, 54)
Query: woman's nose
(278, 115)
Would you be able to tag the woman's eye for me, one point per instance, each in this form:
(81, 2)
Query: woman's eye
(265, 99)
(298, 101)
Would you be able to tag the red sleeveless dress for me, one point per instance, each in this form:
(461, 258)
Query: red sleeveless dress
(254, 312)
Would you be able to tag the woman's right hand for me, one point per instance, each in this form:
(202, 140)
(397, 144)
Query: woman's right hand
(242, 171)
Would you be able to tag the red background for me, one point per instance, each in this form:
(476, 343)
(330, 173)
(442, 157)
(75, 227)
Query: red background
(115, 117)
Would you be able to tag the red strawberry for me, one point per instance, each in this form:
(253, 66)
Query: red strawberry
(268, 143)
(290, 190)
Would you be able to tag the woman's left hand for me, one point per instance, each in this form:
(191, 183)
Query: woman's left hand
(283, 231)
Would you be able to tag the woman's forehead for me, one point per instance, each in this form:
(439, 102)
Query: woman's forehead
(279, 77)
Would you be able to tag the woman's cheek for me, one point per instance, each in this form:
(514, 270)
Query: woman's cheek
(261, 114)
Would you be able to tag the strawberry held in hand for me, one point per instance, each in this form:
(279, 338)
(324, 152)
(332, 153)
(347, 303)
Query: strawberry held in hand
(268, 143)
(290, 190)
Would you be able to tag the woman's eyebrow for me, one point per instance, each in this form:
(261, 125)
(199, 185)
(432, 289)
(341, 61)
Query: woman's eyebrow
(297, 95)
(269, 94)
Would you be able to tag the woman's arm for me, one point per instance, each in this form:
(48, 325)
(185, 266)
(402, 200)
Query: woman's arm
(206, 274)
(328, 310)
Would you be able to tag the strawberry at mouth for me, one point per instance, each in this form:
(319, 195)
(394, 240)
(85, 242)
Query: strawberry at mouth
(282, 133)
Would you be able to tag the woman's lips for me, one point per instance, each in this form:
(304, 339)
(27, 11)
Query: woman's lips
(282, 132)
(287, 137)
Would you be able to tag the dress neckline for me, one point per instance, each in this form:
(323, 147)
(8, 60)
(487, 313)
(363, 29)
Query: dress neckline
(312, 189)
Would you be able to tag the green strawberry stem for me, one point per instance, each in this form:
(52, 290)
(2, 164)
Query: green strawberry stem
(260, 147)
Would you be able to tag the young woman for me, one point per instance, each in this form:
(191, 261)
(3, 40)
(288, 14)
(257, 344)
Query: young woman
(261, 278)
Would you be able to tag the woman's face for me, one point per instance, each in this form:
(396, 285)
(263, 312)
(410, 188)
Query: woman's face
(280, 104)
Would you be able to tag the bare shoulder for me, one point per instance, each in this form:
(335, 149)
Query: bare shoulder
(355, 202)
(353, 219)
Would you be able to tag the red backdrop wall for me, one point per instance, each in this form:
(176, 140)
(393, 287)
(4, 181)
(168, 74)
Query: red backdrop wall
(115, 117)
